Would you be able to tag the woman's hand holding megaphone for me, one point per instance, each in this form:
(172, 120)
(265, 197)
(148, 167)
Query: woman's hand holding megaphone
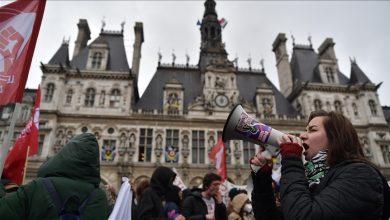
(261, 161)
(290, 145)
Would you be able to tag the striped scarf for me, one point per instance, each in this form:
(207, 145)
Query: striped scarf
(316, 168)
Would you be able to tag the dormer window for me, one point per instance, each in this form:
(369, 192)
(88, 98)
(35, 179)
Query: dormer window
(329, 74)
(97, 60)
(267, 106)
(173, 103)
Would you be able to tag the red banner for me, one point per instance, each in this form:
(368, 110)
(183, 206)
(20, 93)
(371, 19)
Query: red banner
(15, 163)
(218, 155)
(19, 26)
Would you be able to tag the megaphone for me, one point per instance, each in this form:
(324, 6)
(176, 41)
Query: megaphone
(240, 126)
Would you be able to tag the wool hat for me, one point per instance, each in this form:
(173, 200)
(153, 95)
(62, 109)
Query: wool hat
(233, 192)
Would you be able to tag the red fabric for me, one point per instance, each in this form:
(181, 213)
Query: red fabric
(291, 149)
(28, 140)
(267, 168)
(20, 22)
(218, 155)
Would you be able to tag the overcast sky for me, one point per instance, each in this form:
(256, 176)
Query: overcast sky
(360, 29)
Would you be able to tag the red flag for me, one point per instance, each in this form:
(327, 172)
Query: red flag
(29, 137)
(19, 27)
(218, 155)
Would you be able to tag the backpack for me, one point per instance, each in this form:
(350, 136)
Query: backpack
(64, 212)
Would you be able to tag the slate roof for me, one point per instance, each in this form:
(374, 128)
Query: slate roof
(248, 82)
(386, 112)
(190, 79)
(117, 60)
(304, 66)
(61, 56)
(357, 75)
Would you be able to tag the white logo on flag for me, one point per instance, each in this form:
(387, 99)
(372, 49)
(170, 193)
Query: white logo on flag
(14, 35)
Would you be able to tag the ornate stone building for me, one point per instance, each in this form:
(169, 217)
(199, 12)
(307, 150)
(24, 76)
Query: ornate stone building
(181, 114)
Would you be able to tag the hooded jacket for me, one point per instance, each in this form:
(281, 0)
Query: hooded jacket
(74, 171)
(238, 203)
(150, 205)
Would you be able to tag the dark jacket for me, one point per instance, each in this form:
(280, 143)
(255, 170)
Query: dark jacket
(150, 205)
(350, 190)
(75, 170)
(263, 197)
(194, 208)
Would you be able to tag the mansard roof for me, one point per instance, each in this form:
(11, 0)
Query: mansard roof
(357, 75)
(304, 66)
(248, 82)
(190, 79)
(303, 63)
(61, 56)
(117, 60)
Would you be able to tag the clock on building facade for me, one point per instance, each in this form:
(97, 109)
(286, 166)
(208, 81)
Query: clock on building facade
(221, 100)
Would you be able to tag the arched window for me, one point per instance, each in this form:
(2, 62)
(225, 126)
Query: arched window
(90, 97)
(49, 92)
(317, 104)
(337, 107)
(69, 96)
(115, 98)
(97, 60)
(329, 74)
(372, 105)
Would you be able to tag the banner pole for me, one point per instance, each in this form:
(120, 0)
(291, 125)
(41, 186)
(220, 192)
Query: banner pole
(25, 166)
(7, 139)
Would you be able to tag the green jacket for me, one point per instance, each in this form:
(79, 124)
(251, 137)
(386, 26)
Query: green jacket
(75, 170)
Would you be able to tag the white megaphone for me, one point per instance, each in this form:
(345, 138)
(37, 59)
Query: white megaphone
(240, 126)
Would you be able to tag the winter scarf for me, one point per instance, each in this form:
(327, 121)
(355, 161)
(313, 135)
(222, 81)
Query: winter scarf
(316, 168)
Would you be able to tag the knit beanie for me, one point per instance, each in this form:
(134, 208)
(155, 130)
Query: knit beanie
(233, 192)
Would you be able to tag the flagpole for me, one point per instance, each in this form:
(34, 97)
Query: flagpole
(25, 165)
(7, 139)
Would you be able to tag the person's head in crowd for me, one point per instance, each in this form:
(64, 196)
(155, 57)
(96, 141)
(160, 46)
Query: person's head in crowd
(335, 134)
(211, 183)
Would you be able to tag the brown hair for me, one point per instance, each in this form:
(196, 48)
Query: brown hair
(208, 179)
(342, 137)
(140, 187)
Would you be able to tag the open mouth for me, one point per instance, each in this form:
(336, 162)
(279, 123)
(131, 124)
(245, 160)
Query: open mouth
(305, 146)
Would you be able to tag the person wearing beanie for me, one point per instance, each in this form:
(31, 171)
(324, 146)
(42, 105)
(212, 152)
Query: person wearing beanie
(242, 208)
(335, 181)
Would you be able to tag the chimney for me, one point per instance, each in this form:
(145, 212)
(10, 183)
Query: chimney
(326, 50)
(282, 64)
(139, 39)
(82, 37)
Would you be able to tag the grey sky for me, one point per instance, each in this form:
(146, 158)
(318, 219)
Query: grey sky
(360, 29)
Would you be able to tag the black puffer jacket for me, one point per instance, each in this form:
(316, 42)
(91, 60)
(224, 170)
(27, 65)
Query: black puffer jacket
(350, 190)
(150, 205)
(194, 208)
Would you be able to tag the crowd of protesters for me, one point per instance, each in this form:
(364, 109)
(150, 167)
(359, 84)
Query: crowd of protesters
(324, 175)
